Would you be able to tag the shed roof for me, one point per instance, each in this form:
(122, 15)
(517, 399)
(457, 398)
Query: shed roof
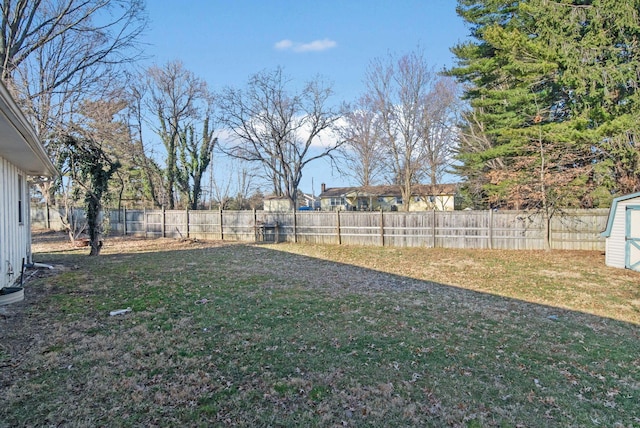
(613, 209)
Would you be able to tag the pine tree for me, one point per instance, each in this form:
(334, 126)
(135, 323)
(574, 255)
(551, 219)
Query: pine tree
(553, 95)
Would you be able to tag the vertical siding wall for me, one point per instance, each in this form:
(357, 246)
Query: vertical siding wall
(15, 238)
(616, 243)
(516, 230)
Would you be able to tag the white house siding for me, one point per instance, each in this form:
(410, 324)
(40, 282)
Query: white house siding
(15, 238)
(615, 242)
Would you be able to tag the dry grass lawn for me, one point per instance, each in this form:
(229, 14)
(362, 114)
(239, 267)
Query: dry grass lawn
(229, 334)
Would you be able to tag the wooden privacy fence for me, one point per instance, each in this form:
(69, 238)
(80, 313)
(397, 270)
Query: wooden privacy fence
(514, 230)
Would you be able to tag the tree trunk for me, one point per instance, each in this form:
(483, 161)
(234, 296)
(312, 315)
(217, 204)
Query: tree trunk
(93, 213)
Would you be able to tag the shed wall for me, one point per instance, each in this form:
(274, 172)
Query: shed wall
(15, 237)
(440, 203)
(615, 243)
(277, 205)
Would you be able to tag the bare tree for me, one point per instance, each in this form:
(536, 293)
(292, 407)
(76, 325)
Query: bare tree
(235, 180)
(397, 89)
(440, 111)
(105, 30)
(180, 100)
(413, 106)
(151, 174)
(106, 121)
(221, 190)
(277, 128)
(100, 123)
(52, 110)
(362, 150)
(88, 159)
(245, 186)
(54, 53)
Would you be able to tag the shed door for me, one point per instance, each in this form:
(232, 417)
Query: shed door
(632, 238)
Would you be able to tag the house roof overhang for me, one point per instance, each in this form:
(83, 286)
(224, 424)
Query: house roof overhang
(360, 194)
(18, 141)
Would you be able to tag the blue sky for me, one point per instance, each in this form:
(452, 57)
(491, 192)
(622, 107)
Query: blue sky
(226, 41)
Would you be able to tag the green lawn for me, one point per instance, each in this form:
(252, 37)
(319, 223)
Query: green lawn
(291, 335)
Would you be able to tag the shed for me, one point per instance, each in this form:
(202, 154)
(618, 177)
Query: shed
(622, 243)
(21, 155)
(274, 203)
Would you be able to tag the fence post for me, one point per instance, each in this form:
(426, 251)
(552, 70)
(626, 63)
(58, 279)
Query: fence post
(433, 227)
(164, 235)
(221, 231)
(187, 215)
(381, 227)
(144, 221)
(295, 226)
(338, 227)
(255, 226)
(490, 231)
(549, 229)
(124, 221)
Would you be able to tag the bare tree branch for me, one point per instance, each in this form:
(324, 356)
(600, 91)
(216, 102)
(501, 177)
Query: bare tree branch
(279, 129)
(362, 151)
(29, 25)
(415, 110)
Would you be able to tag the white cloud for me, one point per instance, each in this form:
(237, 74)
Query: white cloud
(284, 44)
(314, 46)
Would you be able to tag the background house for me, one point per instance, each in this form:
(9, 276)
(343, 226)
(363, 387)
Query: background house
(334, 198)
(308, 202)
(442, 197)
(21, 155)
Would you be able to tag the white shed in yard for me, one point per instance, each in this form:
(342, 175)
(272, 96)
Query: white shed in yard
(274, 203)
(21, 155)
(622, 245)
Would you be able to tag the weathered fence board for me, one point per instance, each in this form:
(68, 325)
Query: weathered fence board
(517, 230)
(316, 228)
(356, 229)
(204, 225)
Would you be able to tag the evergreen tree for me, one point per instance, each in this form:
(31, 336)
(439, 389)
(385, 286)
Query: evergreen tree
(552, 87)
